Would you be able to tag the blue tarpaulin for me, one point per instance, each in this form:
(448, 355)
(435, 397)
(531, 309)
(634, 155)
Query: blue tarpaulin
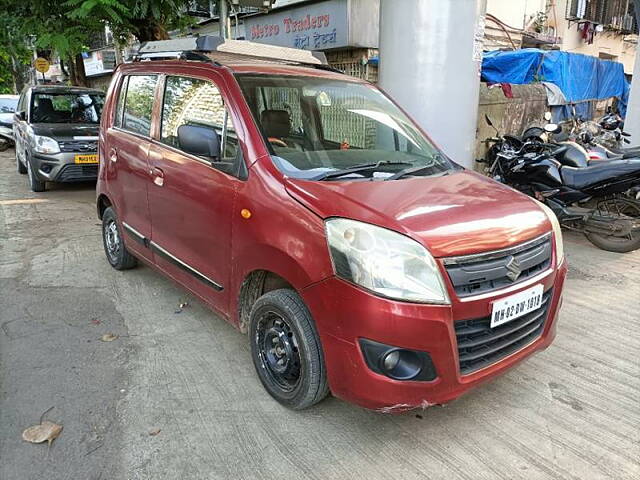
(580, 77)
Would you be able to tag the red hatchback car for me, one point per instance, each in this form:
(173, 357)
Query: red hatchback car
(311, 212)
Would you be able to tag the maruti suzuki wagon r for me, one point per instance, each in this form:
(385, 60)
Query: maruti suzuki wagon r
(308, 210)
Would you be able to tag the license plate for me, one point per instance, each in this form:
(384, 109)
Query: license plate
(86, 158)
(517, 305)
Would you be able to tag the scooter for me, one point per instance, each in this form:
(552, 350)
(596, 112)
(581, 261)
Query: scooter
(591, 199)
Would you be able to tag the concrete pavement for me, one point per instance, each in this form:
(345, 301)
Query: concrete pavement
(572, 411)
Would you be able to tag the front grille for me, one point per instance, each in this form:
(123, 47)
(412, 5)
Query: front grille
(486, 272)
(479, 345)
(81, 146)
(77, 173)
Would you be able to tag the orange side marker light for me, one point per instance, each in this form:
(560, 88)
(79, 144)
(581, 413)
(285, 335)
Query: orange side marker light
(246, 214)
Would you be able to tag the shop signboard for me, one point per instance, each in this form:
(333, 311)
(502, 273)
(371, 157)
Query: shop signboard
(319, 26)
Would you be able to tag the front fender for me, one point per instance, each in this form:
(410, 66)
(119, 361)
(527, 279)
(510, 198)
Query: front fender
(299, 272)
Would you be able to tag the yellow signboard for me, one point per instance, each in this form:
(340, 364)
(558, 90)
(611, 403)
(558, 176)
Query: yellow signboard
(42, 65)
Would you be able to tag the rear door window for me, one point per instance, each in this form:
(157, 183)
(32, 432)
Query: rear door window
(138, 104)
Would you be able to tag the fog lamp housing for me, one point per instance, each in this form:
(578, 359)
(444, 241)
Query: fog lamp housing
(397, 363)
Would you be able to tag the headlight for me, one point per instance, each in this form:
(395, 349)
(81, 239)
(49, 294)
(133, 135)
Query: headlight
(557, 232)
(45, 145)
(384, 262)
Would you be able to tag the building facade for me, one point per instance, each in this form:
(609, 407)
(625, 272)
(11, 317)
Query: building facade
(601, 28)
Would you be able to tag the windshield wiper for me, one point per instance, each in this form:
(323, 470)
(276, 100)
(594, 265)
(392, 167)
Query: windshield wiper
(417, 169)
(363, 167)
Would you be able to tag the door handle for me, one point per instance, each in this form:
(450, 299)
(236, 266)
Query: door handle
(113, 155)
(158, 176)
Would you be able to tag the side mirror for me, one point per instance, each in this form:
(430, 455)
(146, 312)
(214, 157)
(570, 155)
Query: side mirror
(199, 140)
(22, 115)
(488, 120)
(552, 128)
(547, 116)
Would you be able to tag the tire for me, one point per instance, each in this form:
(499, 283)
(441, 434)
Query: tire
(279, 319)
(4, 145)
(35, 184)
(627, 207)
(117, 254)
(22, 170)
(613, 244)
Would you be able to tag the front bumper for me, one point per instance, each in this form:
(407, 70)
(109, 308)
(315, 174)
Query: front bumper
(61, 167)
(345, 313)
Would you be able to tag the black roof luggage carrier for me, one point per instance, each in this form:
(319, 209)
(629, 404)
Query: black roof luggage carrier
(209, 48)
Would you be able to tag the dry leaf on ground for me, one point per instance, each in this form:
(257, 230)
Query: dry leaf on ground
(45, 432)
(109, 337)
(155, 432)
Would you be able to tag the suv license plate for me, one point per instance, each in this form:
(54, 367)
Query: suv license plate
(517, 305)
(86, 158)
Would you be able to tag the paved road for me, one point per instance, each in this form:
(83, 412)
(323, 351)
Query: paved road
(572, 411)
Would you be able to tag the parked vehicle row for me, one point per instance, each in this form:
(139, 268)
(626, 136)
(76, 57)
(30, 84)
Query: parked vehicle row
(593, 197)
(313, 214)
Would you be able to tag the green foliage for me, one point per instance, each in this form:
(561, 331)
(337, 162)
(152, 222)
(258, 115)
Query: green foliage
(14, 54)
(144, 19)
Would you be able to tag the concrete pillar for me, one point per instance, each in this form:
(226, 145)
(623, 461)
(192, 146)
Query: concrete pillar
(430, 54)
(632, 120)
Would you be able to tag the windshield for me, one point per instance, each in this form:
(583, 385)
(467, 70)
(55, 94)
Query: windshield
(67, 107)
(324, 129)
(8, 105)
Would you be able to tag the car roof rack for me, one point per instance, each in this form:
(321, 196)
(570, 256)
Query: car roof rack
(216, 49)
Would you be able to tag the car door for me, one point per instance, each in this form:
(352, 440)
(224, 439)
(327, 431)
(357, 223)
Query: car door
(126, 163)
(191, 197)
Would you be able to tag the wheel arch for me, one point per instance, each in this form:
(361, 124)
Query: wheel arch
(263, 268)
(255, 284)
(102, 203)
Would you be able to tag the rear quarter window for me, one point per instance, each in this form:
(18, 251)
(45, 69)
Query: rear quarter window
(122, 93)
(138, 104)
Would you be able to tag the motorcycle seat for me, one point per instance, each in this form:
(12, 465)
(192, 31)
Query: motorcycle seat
(581, 177)
(630, 152)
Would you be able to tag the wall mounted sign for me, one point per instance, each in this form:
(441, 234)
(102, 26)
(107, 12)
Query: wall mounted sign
(320, 26)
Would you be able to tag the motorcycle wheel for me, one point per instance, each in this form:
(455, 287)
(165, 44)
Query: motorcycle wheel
(618, 208)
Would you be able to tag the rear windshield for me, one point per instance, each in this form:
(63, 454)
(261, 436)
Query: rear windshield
(8, 105)
(318, 126)
(67, 108)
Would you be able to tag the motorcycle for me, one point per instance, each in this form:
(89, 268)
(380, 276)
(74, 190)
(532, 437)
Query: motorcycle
(590, 199)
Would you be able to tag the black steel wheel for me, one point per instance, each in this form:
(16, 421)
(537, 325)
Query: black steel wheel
(286, 350)
(114, 247)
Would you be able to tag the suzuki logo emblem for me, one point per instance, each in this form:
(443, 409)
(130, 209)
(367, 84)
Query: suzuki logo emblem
(513, 269)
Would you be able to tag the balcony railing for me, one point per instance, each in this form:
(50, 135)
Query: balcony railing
(615, 15)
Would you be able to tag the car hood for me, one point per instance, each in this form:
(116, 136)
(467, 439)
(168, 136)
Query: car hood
(456, 214)
(65, 130)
